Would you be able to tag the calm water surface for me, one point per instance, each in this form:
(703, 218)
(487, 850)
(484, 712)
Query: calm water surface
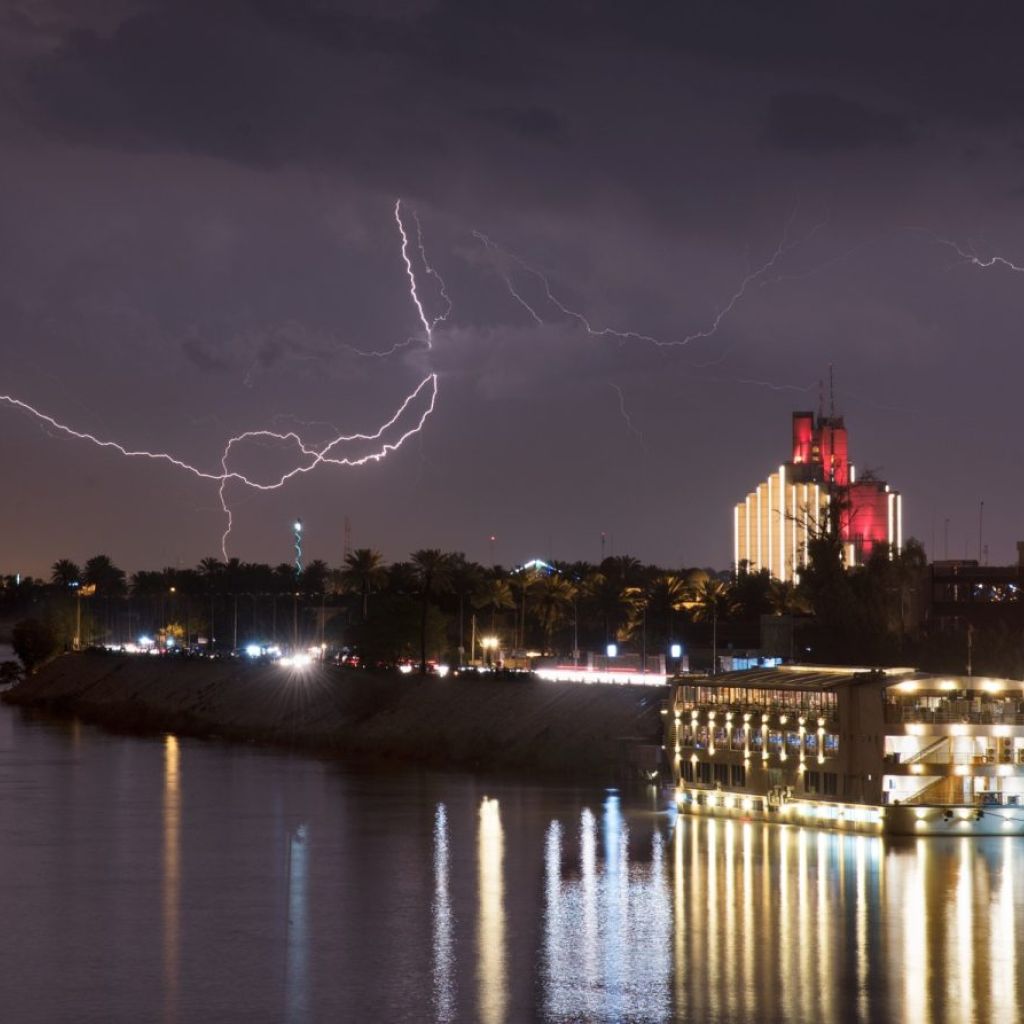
(172, 880)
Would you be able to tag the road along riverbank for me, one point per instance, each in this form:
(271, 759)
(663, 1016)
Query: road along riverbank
(568, 729)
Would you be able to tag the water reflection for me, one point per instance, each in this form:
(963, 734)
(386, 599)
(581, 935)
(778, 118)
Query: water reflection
(444, 956)
(608, 932)
(562, 912)
(171, 875)
(297, 939)
(491, 967)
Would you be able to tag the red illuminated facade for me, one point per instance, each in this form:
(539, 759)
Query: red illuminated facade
(773, 524)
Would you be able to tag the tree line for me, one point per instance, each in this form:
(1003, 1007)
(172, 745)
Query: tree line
(433, 605)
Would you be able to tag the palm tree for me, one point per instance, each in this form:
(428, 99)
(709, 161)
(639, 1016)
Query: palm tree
(466, 579)
(108, 578)
(525, 579)
(666, 596)
(710, 598)
(786, 599)
(363, 573)
(432, 572)
(495, 594)
(109, 581)
(64, 573)
(555, 594)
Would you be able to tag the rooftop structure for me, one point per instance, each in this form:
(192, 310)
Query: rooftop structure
(773, 525)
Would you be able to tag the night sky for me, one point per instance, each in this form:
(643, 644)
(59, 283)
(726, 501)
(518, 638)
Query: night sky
(198, 239)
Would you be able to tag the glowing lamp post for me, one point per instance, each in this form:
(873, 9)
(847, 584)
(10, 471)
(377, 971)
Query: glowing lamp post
(490, 645)
(297, 533)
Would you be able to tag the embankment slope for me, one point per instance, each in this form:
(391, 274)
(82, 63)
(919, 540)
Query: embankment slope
(492, 724)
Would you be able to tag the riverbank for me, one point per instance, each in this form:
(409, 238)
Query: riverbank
(565, 729)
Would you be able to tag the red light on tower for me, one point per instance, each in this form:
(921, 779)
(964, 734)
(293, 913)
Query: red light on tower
(803, 434)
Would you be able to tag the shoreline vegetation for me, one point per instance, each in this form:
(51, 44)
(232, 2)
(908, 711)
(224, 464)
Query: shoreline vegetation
(574, 731)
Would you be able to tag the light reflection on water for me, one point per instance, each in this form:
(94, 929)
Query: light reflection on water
(491, 966)
(444, 953)
(185, 881)
(296, 974)
(171, 869)
(607, 927)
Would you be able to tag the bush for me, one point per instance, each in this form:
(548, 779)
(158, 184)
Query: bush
(34, 643)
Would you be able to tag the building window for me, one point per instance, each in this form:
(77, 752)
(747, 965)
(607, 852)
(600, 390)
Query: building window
(831, 744)
(812, 782)
(700, 740)
(721, 738)
(686, 736)
(811, 740)
(774, 741)
(686, 770)
(739, 775)
(756, 739)
(737, 739)
(704, 772)
(793, 743)
(829, 783)
(722, 774)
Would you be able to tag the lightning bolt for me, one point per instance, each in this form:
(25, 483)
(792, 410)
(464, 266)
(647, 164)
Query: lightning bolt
(785, 246)
(308, 455)
(970, 256)
(442, 288)
(624, 412)
(428, 328)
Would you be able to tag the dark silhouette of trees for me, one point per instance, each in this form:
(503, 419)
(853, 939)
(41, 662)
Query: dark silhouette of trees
(432, 571)
(34, 642)
(364, 573)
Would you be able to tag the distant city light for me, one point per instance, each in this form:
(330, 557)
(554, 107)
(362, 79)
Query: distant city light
(254, 650)
(612, 650)
(575, 674)
(676, 650)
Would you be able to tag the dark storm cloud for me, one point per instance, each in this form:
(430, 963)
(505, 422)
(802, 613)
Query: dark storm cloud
(218, 177)
(815, 122)
(531, 123)
(202, 358)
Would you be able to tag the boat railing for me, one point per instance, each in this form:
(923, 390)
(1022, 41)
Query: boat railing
(895, 714)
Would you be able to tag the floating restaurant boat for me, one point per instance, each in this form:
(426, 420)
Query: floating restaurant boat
(863, 750)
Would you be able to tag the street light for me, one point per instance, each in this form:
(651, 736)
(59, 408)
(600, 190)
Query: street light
(489, 644)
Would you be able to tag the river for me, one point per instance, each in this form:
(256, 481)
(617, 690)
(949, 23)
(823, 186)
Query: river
(178, 881)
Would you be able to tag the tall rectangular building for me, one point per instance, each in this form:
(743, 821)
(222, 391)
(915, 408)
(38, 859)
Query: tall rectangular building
(773, 525)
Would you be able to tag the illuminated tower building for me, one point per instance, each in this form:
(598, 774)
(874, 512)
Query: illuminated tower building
(772, 526)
